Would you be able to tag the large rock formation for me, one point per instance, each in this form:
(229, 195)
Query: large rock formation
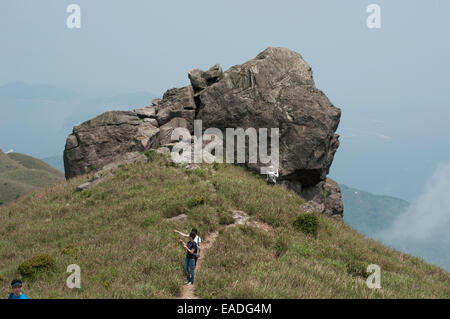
(274, 90)
(104, 139)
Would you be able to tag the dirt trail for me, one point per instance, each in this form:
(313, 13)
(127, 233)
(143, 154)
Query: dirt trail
(240, 218)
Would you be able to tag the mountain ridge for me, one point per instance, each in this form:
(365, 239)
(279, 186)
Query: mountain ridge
(21, 174)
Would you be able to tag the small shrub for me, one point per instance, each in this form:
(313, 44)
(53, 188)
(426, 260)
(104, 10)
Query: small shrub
(195, 201)
(307, 223)
(1, 203)
(35, 264)
(70, 250)
(358, 269)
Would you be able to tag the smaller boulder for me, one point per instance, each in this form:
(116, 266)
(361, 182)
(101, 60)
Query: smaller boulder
(148, 136)
(200, 80)
(84, 186)
(175, 103)
(325, 197)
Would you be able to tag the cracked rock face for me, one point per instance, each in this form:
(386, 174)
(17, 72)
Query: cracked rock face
(102, 140)
(177, 103)
(276, 89)
(324, 197)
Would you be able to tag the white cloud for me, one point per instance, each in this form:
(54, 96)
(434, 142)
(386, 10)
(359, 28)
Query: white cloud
(424, 228)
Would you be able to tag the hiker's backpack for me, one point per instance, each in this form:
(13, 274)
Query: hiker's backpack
(197, 252)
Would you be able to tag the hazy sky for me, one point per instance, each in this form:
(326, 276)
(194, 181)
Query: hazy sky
(391, 83)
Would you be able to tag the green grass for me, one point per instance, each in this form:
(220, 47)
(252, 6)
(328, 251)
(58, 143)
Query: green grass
(119, 234)
(22, 174)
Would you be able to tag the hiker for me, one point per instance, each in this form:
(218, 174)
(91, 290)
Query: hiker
(16, 287)
(189, 262)
(272, 175)
(197, 240)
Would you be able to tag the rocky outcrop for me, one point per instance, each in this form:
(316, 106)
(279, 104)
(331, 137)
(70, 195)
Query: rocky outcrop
(104, 139)
(276, 89)
(324, 197)
(200, 80)
(177, 103)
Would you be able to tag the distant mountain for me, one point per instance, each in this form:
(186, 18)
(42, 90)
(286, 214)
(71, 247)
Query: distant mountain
(22, 90)
(369, 213)
(21, 174)
(36, 119)
(56, 162)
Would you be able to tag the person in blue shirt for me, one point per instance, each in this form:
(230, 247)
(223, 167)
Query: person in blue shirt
(197, 240)
(189, 262)
(16, 287)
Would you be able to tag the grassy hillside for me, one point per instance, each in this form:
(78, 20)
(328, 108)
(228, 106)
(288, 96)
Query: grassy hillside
(21, 174)
(120, 234)
(369, 213)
